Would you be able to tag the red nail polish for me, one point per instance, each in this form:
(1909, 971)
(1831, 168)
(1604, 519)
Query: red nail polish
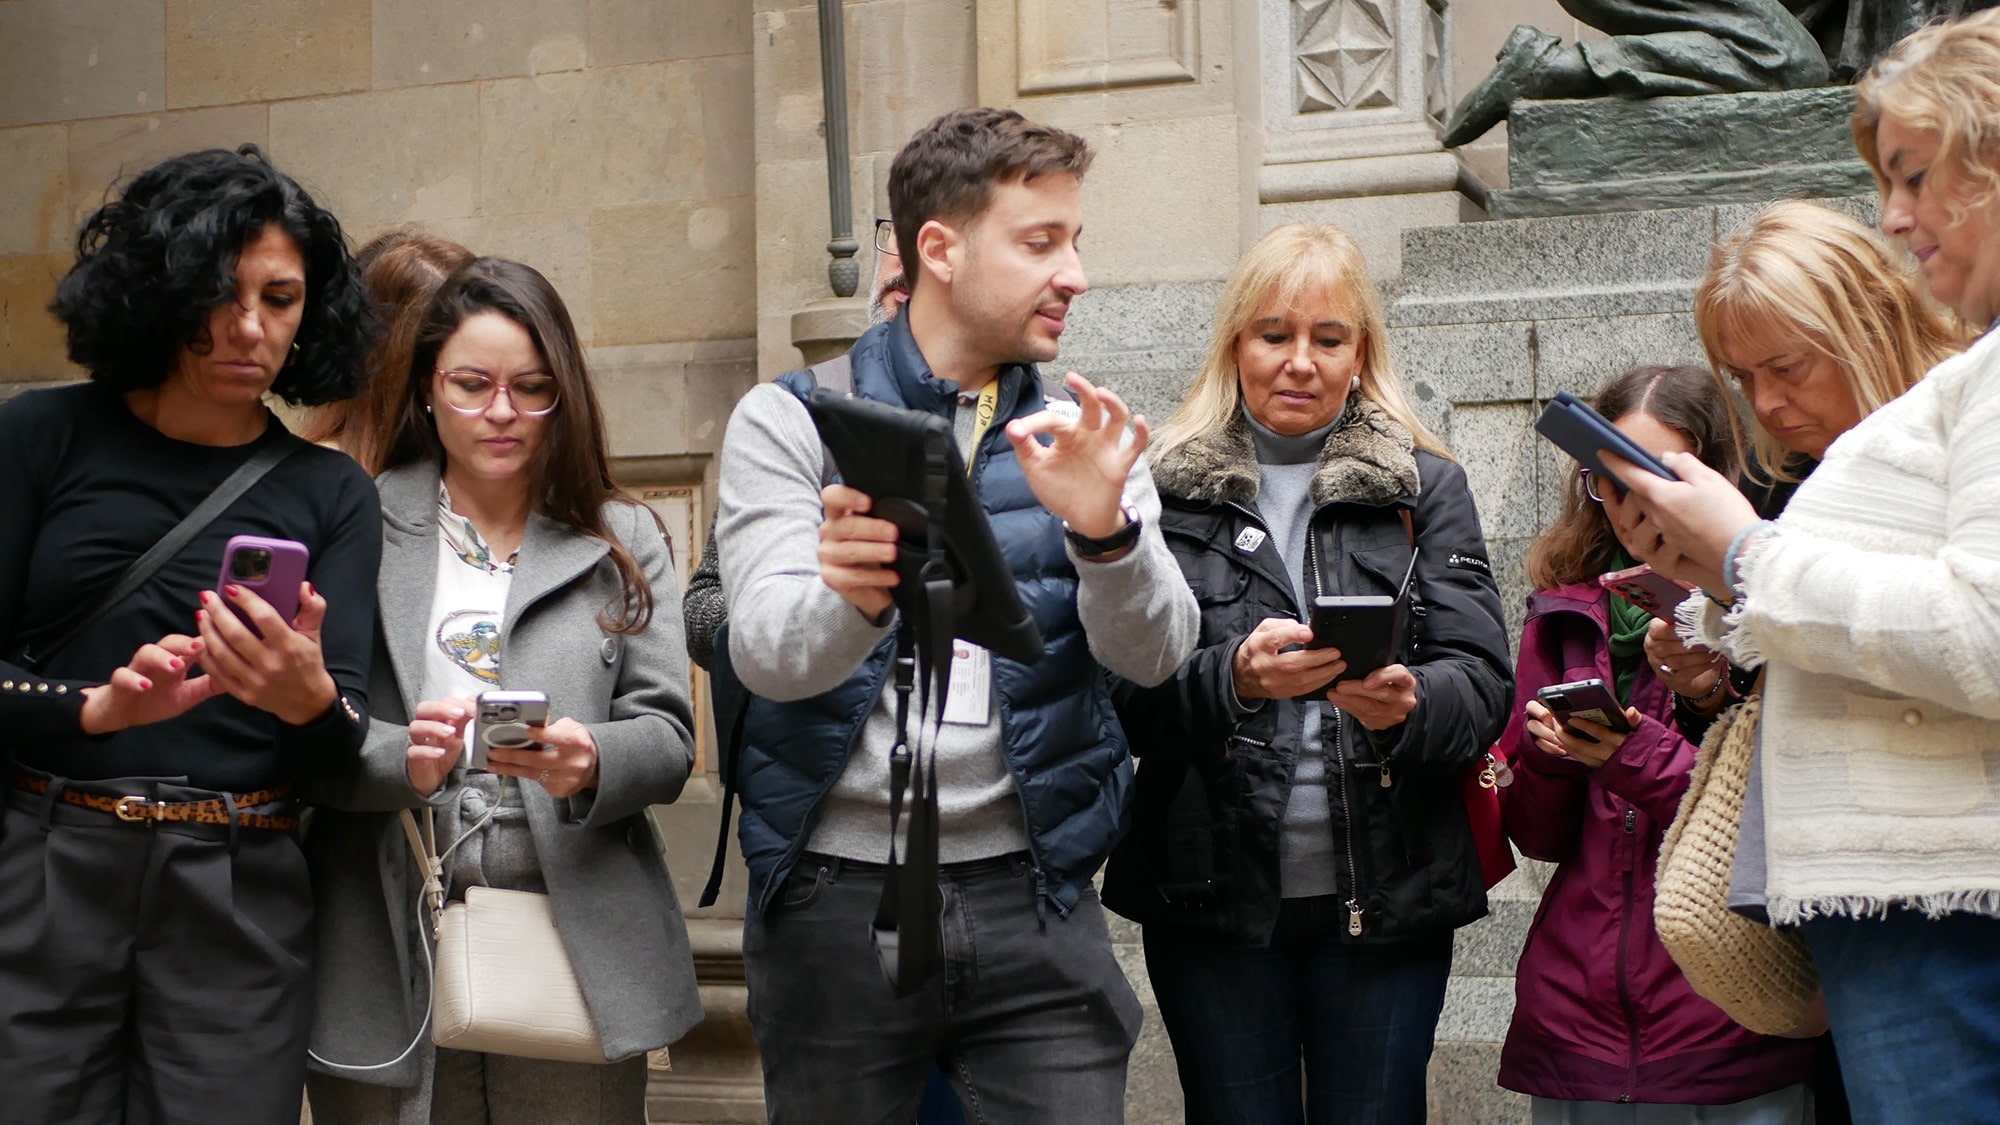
(205, 595)
(175, 663)
(310, 591)
(145, 685)
(201, 615)
(233, 591)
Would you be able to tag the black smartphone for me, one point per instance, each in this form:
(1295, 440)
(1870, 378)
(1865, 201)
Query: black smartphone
(1585, 699)
(1366, 628)
(1582, 433)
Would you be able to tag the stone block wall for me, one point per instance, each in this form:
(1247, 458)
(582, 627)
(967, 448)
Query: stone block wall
(606, 144)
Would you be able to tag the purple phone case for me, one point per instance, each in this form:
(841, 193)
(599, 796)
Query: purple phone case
(279, 586)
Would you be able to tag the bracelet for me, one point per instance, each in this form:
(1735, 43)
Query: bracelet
(1730, 577)
(1721, 681)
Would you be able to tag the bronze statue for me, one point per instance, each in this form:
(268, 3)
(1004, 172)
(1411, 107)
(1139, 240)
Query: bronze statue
(1681, 47)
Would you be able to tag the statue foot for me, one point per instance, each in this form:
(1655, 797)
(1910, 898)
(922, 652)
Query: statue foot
(1532, 63)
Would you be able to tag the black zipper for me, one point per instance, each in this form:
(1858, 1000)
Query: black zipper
(1340, 762)
(1624, 985)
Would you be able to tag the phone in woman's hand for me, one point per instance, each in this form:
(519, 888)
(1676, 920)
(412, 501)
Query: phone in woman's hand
(502, 720)
(1585, 699)
(274, 568)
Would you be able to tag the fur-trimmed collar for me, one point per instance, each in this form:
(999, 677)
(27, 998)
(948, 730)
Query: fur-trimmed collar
(1369, 459)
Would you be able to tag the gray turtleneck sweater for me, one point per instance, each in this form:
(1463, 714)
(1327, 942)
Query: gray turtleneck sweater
(1285, 467)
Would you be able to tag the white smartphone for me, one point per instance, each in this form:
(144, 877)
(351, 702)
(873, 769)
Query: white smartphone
(503, 720)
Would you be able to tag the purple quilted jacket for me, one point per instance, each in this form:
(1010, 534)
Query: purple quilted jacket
(1601, 1012)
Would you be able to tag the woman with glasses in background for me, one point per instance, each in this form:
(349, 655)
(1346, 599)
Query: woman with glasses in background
(510, 562)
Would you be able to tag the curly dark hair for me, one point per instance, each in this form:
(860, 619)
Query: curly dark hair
(151, 264)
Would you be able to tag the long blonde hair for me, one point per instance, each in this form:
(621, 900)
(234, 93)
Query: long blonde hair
(1944, 79)
(1816, 275)
(1292, 264)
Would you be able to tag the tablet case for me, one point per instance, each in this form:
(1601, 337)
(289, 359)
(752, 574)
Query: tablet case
(896, 456)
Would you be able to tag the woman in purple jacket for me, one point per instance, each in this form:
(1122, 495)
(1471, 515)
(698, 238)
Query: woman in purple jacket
(1602, 1014)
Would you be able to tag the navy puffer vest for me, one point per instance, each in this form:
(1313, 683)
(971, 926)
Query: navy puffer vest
(1062, 741)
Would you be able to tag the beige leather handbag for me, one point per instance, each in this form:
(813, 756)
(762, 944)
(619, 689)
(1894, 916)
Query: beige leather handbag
(502, 982)
(1760, 977)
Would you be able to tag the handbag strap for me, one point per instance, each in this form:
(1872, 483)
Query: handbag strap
(145, 566)
(423, 848)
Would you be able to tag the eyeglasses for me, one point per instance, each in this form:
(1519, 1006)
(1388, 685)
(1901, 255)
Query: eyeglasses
(1589, 485)
(885, 237)
(470, 392)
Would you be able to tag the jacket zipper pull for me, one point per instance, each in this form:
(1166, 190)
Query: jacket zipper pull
(1353, 918)
(1041, 901)
(1631, 820)
(1385, 776)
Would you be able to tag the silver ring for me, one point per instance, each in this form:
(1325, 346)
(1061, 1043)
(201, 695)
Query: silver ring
(544, 779)
(1666, 670)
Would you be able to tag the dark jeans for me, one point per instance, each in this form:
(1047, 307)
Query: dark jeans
(1354, 1022)
(150, 974)
(1915, 1007)
(1031, 1024)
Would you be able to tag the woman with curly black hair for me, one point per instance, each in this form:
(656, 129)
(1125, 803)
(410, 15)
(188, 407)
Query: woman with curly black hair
(155, 913)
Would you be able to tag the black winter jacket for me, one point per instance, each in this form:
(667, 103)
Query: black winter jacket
(1213, 783)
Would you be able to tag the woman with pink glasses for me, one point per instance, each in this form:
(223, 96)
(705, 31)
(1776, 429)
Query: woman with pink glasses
(510, 562)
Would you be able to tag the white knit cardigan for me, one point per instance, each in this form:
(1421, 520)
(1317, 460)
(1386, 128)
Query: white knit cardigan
(1875, 608)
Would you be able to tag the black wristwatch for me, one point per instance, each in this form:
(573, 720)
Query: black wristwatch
(1116, 541)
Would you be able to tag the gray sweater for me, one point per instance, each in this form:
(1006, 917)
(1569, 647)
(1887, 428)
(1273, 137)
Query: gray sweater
(1285, 466)
(791, 636)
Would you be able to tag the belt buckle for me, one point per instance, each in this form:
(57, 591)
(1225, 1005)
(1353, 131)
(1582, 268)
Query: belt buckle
(137, 810)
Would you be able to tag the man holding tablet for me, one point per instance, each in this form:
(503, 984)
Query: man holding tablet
(1031, 1018)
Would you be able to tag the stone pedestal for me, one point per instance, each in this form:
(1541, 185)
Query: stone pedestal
(1610, 154)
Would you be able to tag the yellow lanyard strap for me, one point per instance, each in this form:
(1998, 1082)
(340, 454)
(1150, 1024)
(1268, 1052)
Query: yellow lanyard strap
(982, 417)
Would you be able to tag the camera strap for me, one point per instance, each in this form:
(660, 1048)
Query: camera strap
(905, 932)
(145, 566)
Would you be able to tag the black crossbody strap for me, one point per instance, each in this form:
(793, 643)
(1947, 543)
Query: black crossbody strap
(145, 566)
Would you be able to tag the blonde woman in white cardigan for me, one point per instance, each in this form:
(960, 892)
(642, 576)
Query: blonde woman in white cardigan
(1874, 604)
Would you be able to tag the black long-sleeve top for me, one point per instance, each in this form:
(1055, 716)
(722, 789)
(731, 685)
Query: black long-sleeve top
(88, 489)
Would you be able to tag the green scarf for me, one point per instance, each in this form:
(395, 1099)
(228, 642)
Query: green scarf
(1628, 635)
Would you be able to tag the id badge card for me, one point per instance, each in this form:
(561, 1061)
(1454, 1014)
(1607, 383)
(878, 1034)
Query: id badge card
(970, 702)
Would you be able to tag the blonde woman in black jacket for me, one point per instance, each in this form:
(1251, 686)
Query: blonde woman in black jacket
(1300, 854)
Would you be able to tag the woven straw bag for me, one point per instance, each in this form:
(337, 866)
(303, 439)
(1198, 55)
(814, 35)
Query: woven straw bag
(1760, 977)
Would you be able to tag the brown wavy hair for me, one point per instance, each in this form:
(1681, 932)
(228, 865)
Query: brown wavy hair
(570, 479)
(1580, 545)
(402, 270)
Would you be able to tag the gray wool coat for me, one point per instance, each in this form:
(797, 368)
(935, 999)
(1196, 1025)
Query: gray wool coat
(614, 903)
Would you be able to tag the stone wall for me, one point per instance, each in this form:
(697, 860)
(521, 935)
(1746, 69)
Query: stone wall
(604, 143)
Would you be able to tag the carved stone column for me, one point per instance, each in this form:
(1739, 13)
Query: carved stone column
(1354, 93)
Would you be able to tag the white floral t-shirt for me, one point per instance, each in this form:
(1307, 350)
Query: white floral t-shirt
(463, 657)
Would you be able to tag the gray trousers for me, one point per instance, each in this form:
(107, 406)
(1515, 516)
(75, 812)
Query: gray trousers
(470, 1088)
(1031, 1023)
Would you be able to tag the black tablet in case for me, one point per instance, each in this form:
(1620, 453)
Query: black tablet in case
(896, 456)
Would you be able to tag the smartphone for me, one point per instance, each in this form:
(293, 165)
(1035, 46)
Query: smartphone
(1655, 593)
(1582, 433)
(274, 568)
(1366, 628)
(502, 720)
(1585, 699)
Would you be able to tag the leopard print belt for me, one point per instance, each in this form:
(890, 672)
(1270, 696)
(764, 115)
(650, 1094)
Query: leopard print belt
(144, 810)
